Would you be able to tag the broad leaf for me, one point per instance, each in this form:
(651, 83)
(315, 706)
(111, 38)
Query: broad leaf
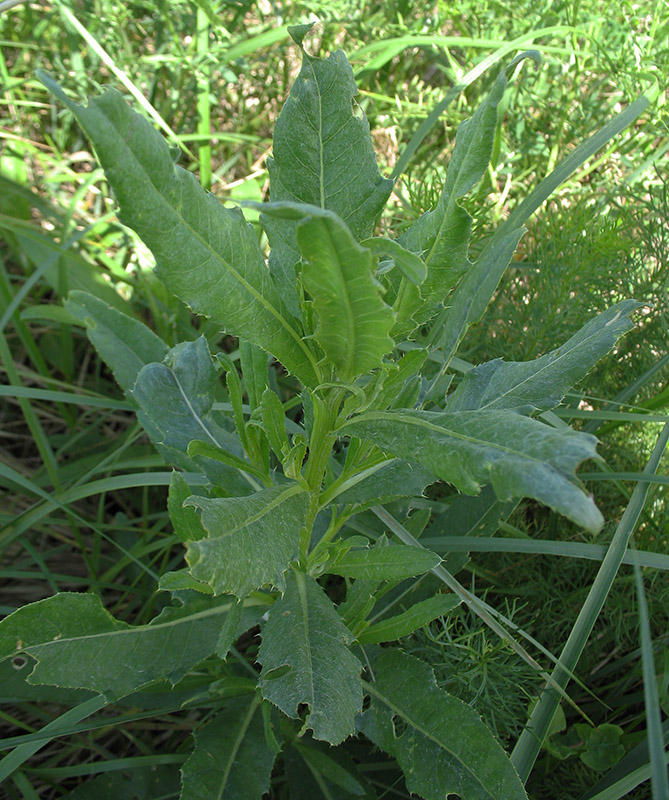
(415, 617)
(521, 457)
(78, 644)
(441, 236)
(541, 384)
(207, 255)
(251, 540)
(231, 759)
(122, 342)
(392, 563)
(305, 659)
(322, 155)
(444, 747)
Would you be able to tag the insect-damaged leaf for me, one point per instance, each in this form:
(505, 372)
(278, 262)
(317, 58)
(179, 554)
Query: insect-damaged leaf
(78, 644)
(322, 155)
(521, 457)
(207, 255)
(251, 540)
(305, 659)
(231, 758)
(541, 384)
(443, 746)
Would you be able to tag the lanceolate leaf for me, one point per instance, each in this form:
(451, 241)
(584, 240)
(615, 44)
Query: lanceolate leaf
(444, 747)
(78, 644)
(520, 456)
(123, 343)
(393, 563)
(541, 384)
(441, 236)
(353, 320)
(231, 759)
(252, 540)
(206, 254)
(415, 617)
(323, 155)
(384, 482)
(305, 659)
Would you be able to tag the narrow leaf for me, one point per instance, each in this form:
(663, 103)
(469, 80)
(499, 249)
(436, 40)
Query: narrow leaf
(305, 659)
(207, 255)
(231, 758)
(415, 617)
(444, 748)
(323, 155)
(442, 235)
(251, 540)
(384, 482)
(274, 423)
(541, 384)
(254, 371)
(78, 644)
(521, 457)
(393, 563)
(122, 342)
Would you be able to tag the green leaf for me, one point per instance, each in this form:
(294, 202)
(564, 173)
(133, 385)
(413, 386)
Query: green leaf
(78, 644)
(176, 400)
(140, 783)
(466, 516)
(231, 758)
(603, 749)
(541, 384)
(442, 235)
(353, 321)
(305, 659)
(251, 540)
(415, 617)
(253, 362)
(408, 263)
(392, 563)
(181, 580)
(274, 423)
(474, 292)
(384, 482)
(207, 255)
(122, 342)
(185, 521)
(322, 155)
(444, 747)
(331, 773)
(521, 457)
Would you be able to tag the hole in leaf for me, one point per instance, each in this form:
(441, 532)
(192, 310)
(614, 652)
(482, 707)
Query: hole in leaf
(366, 703)
(19, 662)
(399, 726)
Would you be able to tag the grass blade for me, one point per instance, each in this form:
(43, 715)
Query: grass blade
(528, 745)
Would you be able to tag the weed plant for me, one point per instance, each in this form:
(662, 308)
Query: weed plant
(107, 532)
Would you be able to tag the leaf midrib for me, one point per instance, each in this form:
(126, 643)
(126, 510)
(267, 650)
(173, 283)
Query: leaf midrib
(249, 288)
(417, 727)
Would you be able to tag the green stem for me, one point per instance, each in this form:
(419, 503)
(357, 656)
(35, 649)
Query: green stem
(320, 446)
